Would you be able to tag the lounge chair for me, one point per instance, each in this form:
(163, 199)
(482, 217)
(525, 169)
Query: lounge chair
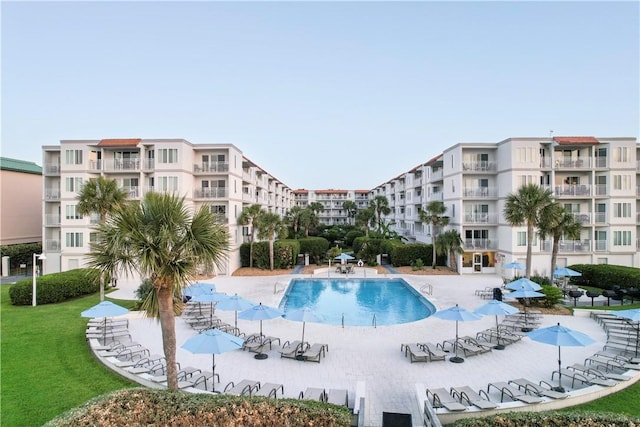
(612, 363)
(538, 389)
(513, 393)
(338, 397)
(269, 390)
(203, 379)
(415, 352)
(312, 393)
(313, 353)
(148, 366)
(435, 353)
(582, 378)
(439, 398)
(594, 371)
(293, 349)
(184, 374)
(256, 345)
(154, 358)
(479, 399)
(243, 388)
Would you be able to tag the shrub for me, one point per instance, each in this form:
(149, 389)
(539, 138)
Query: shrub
(20, 254)
(285, 253)
(541, 280)
(534, 419)
(605, 276)
(141, 406)
(407, 254)
(316, 247)
(552, 295)
(351, 236)
(417, 265)
(56, 287)
(367, 249)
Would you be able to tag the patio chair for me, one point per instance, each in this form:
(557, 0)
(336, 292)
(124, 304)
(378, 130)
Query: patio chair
(202, 380)
(338, 397)
(594, 371)
(184, 374)
(538, 389)
(513, 393)
(269, 390)
(147, 366)
(613, 361)
(293, 349)
(144, 359)
(479, 399)
(415, 352)
(439, 398)
(313, 393)
(435, 353)
(315, 352)
(243, 388)
(582, 378)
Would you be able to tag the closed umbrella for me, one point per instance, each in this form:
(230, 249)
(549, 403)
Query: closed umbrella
(235, 303)
(458, 314)
(104, 309)
(213, 341)
(523, 283)
(497, 308)
(260, 312)
(634, 316)
(562, 337)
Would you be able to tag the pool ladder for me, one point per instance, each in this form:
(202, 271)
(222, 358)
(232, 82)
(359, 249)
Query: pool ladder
(374, 321)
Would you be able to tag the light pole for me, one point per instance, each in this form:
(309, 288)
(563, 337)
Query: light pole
(36, 257)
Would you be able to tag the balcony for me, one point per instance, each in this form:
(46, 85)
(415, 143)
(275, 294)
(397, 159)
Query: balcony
(480, 218)
(95, 165)
(638, 190)
(437, 196)
(480, 192)
(52, 194)
(52, 245)
(600, 189)
(579, 190)
(600, 217)
(132, 192)
(122, 165)
(581, 163)
(601, 162)
(475, 244)
(481, 166)
(567, 246)
(600, 245)
(436, 175)
(210, 193)
(208, 167)
(52, 169)
(149, 164)
(52, 220)
(582, 218)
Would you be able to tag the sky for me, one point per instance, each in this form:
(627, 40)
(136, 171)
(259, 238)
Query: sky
(342, 95)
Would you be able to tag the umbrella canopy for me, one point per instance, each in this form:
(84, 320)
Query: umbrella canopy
(210, 298)
(303, 315)
(565, 272)
(344, 257)
(198, 288)
(497, 308)
(515, 265)
(562, 337)
(523, 283)
(260, 312)
(213, 341)
(104, 309)
(458, 314)
(235, 303)
(524, 293)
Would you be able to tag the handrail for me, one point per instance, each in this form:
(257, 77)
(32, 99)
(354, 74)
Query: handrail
(427, 288)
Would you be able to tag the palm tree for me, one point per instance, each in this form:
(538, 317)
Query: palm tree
(351, 208)
(293, 219)
(523, 208)
(250, 216)
(101, 196)
(433, 214)
(309, 218)
(450, 243)
(270, 226)
(380, 206)
(365, 217)
(556, 221)
(160, 238)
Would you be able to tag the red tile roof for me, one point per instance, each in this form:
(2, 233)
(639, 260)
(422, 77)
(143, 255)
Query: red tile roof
(576, 140)
(301, 191)
(362, 191)
(433, 160)
(131, 142)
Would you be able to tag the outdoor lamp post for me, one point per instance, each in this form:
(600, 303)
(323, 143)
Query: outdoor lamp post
(36, 257)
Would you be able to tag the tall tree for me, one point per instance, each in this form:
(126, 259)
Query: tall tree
(351, 208)
(293, 219)
(523, 208)
(380, 206)
(365, 217)
(434, 214)
(101, 196)
(250, 216)
(450, 243)
(557, 222)
(309, 218)
(270, 226)
(162, 239)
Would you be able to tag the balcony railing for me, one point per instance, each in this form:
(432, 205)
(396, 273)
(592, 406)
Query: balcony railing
(437, 175)
(95, 165)
(600, 217)
(480, 218)
(481, 166)
(600, 189)
(573, 190)
(52, 169)
(52, 220)
(581, 163)
(600, 245)
(600, 162)
(52, 194)
(638, 190)
(211, 167)
(480, 244)
(582, 218)
(132, 192)
(119, 165)
(437, 196)
(480, 192)
(565, 246)
(52, 245)
(210, 193)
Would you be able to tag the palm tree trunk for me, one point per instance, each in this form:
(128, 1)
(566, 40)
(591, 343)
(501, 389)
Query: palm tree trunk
(271, 253)
(251, 253)
(529, 243)
(554, 255)
(168, 327)
(433, 242)
(101, 286)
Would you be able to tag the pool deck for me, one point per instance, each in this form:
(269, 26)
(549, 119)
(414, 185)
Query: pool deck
(372, 355)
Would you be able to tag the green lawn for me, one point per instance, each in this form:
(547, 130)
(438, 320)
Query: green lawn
(47, 367)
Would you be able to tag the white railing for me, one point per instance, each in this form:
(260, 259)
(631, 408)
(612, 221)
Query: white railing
(122, 165)
(437, 175)
(480, 192)
(481, 166)
(52, 219)
(480, 244)
(480, 218)
(52, 245)
(133, 192)
(149, 164)
(210, 193)
(600, 189)
(573, 190)
(581, 163)
(583, 218)
(600, 245)
(52, 168)
(600, 162)
(567, 245)
(211, 167)
(437, 196)
(52, 194)
(601, 217)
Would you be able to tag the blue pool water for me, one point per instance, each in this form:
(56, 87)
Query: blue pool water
(392, 301)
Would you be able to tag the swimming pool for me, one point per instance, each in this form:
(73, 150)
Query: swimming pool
(392, 301)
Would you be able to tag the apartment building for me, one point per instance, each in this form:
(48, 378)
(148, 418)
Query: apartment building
(332, 201)
(216, 175)
(597, 179)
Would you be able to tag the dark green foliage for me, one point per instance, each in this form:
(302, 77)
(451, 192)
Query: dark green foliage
(367, 248)
(552, 294)
(20, 254)
(143, 406)
(541, 280)
(550, 419)
(285, 253)
(316, 247)
(351, 235)
(407, 254)
(56, 287)
(606, 276)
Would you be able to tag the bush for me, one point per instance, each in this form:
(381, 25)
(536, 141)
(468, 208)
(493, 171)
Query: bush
(141, 406)
(351, 236)
(417, 265)
(552, 295)
(407, 254)
(541, 280)
(539, 419)
(285, 253)
(367, 249)
(605, 276)
(20, 254)
(56, 287)
(316, 247)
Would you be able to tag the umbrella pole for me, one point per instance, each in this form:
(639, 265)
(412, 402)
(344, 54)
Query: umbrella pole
(455, 358)
(261, 355)
(559, 388)
(213, 371)
(499, 346)
(235, 324)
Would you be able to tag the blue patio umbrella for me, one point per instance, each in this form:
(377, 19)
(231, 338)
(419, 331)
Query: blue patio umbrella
(525, 294)
(565, 272)
(260, 312)
(633, 315)
(562, 337)
(514, 265)
(458, 314)
(198, 288)
(235, 303)
(210, 298)
(523, 283)
(497, 308)
(212, 341)
(104, 309)
(303, 315)
(344, 257)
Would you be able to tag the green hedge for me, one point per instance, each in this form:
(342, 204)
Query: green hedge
(20, 254)
(367, 248)
(285, 253)
(605, 276)
(407, 254)
(56, 287)
(539, 419)
(316, 247)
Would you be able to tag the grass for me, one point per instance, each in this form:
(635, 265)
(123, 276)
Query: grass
(47, 367)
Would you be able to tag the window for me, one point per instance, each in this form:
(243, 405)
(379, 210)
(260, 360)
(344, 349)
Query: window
(622, 210)
(622, 238)
(167, 183)
(621, 182)
(73, 184)
(93, 237)
(72, 212)
(73, 157)
(218, 210)
(621, 154)
(522, 238)
(168, 155)
(527, 179)
(74, 240)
